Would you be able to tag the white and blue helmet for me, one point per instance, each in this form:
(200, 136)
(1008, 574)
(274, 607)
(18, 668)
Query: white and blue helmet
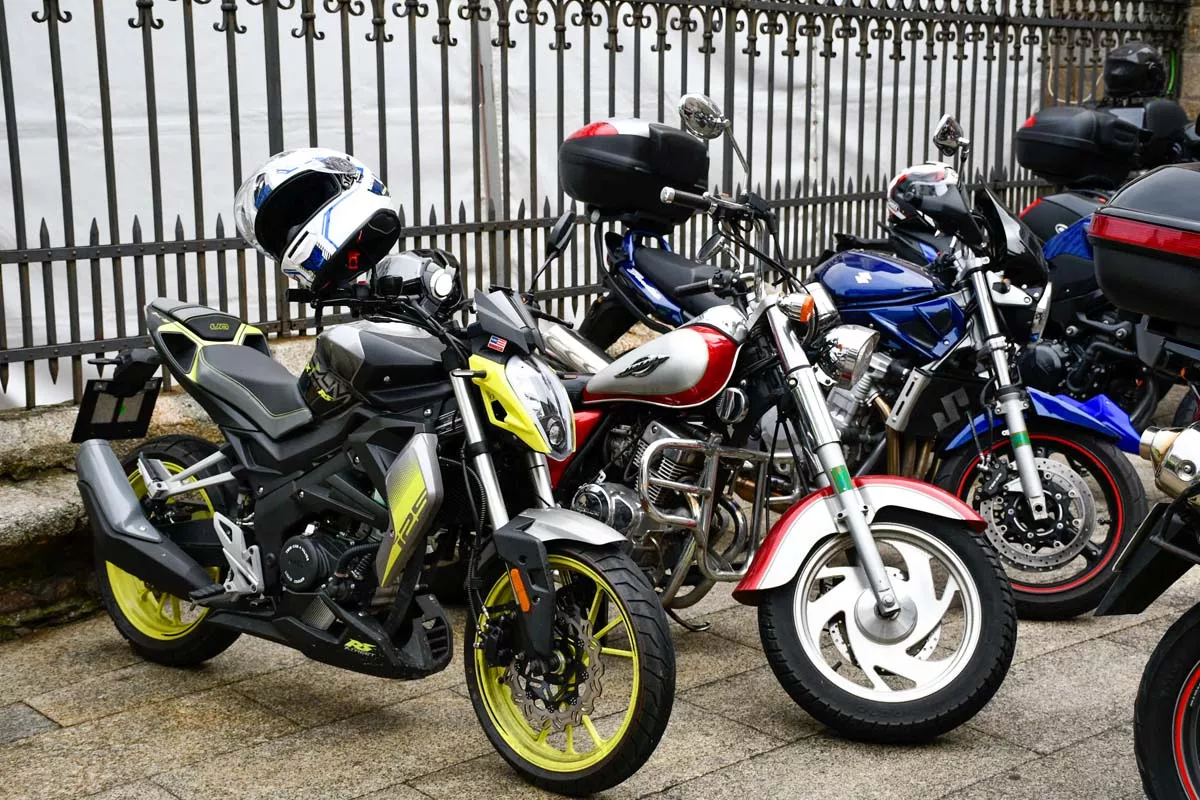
(321, 214)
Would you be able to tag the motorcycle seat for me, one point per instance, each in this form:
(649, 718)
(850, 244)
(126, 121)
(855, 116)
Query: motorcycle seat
(230, 361)
(667, 270)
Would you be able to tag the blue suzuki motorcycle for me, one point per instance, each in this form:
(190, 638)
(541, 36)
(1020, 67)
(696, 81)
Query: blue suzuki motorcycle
(927, 388)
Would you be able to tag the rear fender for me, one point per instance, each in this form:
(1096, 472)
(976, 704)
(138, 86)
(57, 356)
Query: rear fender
(814, 519)
(1098, 414)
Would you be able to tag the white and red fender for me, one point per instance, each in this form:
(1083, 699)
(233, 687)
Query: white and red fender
(805, 524)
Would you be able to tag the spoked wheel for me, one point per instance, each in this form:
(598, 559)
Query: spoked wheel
(905, 679)
(590, 719)
(159, 626)
(1166, 734)
(1062, 565)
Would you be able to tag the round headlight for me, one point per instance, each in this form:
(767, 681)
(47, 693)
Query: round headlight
(556, 432)
(844, 353)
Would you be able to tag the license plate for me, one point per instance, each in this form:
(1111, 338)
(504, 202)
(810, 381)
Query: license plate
(1149, 524)
(105, 415)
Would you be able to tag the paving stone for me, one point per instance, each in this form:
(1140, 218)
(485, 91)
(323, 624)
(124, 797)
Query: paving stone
(398, 791)
(1144, 636)
(756, 699)
(1065, 696)
(18, 721)
(1098, 768)
(312, 693)
(703, 658)
(123, 748)
(145, 683)
(695, 742)
(1036, 638)
(826, 767)
(738, 624)
(718, 599)
(142, 790)
(347, 759)
(55, 657)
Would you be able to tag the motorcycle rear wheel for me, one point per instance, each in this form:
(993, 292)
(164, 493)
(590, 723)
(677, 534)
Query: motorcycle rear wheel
(870, 689)
(158, 626)
(1166, 732)
(629, 646)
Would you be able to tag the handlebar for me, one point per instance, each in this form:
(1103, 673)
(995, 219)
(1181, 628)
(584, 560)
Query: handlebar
(678, 197)
(689, 289)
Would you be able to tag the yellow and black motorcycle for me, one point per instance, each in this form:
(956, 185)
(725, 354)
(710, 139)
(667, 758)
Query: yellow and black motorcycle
(310, 525)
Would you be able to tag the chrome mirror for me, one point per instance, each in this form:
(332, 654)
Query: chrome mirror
(949, 138)
(710, 247)
(701, 116)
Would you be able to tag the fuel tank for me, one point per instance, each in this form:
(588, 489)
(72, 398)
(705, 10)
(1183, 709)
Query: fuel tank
(861, 278)
(383, 363)
(685, 367)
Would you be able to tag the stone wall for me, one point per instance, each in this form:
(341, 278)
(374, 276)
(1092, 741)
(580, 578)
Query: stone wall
(1189, 94)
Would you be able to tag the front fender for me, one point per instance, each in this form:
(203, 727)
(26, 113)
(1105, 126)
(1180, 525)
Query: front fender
(1099, 415)
(813, 519)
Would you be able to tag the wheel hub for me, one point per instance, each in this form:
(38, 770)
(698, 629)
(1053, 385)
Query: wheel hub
(889, 629)
(1048, 543)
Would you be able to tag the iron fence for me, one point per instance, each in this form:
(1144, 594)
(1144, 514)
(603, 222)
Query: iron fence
(128, 123)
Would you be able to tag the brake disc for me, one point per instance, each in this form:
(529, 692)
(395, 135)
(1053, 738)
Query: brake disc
(1042, 545)
(544, 703)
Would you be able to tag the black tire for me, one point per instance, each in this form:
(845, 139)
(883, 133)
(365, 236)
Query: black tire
(606, 321)
(204, 641)
(1187, 412)
(1167, 715)
(650, 709)
(921, 719)
(1125, 498)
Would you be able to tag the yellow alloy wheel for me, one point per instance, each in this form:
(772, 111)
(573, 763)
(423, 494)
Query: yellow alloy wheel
(155, 613)
(573, 749)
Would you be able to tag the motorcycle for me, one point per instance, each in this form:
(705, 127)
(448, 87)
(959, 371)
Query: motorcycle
(311, 524)
(1145, 241)
(882, 612)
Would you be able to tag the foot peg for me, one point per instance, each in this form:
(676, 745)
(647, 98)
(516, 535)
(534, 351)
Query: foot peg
(206, 594)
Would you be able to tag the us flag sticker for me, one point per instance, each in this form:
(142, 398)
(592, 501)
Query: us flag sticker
(497, 344)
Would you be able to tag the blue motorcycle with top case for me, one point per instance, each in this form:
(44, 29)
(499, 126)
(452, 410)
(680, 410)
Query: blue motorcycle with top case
(939, 398)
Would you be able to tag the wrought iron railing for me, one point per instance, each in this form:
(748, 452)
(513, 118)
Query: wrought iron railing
(129, 124)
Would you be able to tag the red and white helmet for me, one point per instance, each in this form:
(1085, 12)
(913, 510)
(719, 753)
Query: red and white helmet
(321, 214)
(931, 179)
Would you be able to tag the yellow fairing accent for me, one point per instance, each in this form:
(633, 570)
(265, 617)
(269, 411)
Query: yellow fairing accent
(536, 747)
(156, 614)
(244, 330)
(495, 388)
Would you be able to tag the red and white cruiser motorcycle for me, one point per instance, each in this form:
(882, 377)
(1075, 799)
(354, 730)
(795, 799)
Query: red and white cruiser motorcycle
(882, 611)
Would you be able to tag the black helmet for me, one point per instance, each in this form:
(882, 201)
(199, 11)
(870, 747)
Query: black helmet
(1135, 69)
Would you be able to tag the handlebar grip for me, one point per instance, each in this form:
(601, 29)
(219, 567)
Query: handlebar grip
(688, 289)
(677, 197)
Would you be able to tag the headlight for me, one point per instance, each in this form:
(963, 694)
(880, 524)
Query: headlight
(844, 353)
(825, 313)
(543, 398)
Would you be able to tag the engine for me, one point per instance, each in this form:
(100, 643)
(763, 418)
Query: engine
(849, 407)
(617, 503)
(308, 560)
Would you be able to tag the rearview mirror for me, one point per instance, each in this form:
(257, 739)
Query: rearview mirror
(560, 235)
(949, 138)
(710, 247)
(701, 116)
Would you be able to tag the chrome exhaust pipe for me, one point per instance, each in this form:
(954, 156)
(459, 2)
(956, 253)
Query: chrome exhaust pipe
(122, 533)
(571, 351)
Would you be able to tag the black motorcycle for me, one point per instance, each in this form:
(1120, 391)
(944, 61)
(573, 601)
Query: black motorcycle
(311, 524)
(1147, 243)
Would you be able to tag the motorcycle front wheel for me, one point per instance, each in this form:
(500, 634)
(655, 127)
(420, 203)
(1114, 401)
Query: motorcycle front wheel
(894, 681)
(1061, 566)
(1166, 733)
(594, 717)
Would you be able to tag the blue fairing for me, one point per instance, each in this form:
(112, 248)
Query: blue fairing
(856, 278)
(1098, 414)
(1072, 241)
(663, 306)
(929, 327)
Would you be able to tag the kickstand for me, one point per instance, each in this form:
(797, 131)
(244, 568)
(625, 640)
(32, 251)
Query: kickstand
(691, 626)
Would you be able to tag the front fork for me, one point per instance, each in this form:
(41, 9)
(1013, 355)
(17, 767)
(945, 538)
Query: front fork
(823, 439)
(1009, 396)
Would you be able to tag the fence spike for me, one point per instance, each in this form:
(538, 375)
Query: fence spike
(432, 214)
(137, 229)
(491, 210)
(462, 212)
(521, 209)
(219, 228)
(400, 215)
(48, 298)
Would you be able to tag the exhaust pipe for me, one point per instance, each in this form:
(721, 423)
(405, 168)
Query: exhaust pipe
(570, 350)
(121, 532)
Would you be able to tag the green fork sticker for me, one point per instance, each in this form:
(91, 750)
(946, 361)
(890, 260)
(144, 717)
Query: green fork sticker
(841, 479)
(1020, 439)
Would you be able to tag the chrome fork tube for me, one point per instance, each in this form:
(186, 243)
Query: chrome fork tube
(802, 380)
(1010, 397)
(539, 473)
(481, 459)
